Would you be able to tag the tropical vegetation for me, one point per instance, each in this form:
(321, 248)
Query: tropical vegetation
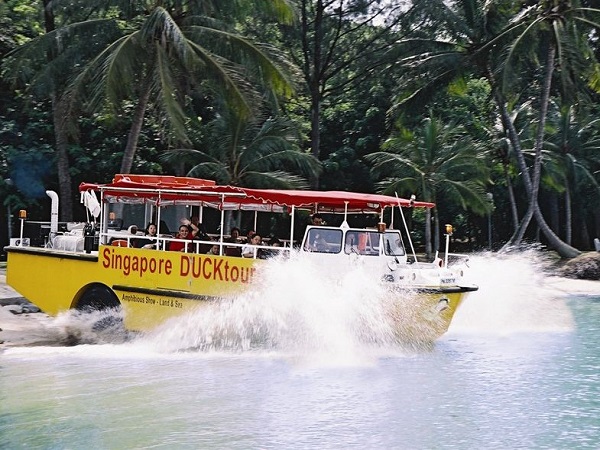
(487, 108)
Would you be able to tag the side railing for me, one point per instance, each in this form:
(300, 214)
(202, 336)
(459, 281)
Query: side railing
(79, 241)
(197, 246)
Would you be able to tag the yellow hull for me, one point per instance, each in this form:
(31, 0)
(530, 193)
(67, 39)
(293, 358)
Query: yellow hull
(154, 286)
(151, 286)
(426, 316)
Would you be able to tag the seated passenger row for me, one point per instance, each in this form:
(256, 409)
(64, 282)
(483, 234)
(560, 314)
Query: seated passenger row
(191, 238)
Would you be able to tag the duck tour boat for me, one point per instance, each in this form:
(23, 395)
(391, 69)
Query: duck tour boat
(106, 263)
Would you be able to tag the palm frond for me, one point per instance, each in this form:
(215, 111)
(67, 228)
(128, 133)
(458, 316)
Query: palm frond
(275, 179)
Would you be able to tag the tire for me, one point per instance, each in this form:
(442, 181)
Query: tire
(98, 297)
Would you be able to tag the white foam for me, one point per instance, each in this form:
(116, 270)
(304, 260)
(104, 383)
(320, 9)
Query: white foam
(297, 309)
(515, 295)
(308, 313)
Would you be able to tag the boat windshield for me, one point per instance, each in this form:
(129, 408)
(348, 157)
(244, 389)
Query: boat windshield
(393, 244)
(362, 242)
(323, 240)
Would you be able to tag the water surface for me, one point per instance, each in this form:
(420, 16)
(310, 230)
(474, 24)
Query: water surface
(518, 369)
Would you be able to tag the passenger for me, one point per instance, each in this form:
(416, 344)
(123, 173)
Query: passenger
(234, 236)
(320, 244)
(133, 229)
(197, 232)
(150, 240)
(267, 253)
(249, 250)
(214, 250)
(201, 233)
(113, 222)
(249, 235)
(151, 230)
(184, 233)
(193, 228)
(317, 219)
(351, 242)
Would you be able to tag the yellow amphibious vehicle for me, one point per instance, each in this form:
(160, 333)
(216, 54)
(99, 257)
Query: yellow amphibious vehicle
(103, 264)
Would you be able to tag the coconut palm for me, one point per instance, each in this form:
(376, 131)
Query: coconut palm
(437, 159)
(163, 53)
(573, 150)
(473, 34)
(461, 47)
(171, 52)
(40, 68)
(556, 32)
(251, 153)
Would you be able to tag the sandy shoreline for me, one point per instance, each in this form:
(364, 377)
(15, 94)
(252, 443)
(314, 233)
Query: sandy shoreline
(26, 329)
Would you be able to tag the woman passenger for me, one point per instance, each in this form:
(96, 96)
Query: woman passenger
(184, 233)
(249, 250)
(150, 240)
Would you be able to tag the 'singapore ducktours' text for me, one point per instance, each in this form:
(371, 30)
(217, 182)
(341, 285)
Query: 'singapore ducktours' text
(190, 265)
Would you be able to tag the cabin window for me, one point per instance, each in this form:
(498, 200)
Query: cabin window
(393, 245)
(322, 240)
(362, 242)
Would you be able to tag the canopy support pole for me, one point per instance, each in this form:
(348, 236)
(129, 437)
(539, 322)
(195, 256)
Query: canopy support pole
(292, 227)
(345, 222)
(406, 228)
(222, 223)
(103, 219)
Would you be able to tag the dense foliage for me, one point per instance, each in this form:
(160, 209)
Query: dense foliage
(487, 108)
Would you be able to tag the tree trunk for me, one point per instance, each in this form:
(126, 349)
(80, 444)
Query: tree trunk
(137, 122)
(428, 232)
(61, 135)
(568, 215)
(436, 228)
(314, 86)
(584, 236)
(315, 133)
(554, 212)
(539, 142)
(596, 215)
(512, 199)
(563, 249)
(62, 158)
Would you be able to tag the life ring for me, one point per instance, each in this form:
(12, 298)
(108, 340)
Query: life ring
(439, 262)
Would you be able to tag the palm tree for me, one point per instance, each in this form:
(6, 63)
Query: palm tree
(559, 30)
(157, 54)
(49, 81)
(251, 153)
(473, 34)
(178, 45)
(573, 151)
(461, 48)
(438, 159)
